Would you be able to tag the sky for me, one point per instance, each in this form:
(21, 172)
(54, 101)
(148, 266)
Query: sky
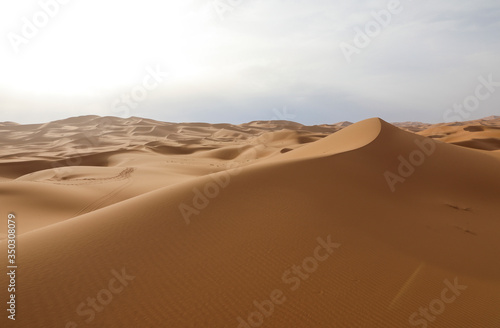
(235, 61)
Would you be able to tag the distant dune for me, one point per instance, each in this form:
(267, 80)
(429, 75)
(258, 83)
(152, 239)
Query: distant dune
(140, 223)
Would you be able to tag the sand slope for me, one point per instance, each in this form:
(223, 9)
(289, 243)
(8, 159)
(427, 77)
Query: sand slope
(265, 210)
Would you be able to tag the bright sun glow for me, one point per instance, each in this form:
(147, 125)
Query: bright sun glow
(82, 50)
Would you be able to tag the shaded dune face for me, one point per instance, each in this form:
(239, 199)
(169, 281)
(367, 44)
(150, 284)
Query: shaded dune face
(363, 227)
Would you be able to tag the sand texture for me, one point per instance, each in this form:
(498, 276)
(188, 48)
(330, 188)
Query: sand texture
(264, 224)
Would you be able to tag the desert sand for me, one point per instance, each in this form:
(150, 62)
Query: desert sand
(139, 223)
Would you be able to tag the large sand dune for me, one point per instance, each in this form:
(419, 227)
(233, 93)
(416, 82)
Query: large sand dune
(139, 223)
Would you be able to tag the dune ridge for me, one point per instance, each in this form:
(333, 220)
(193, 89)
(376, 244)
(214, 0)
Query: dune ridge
(397, 249)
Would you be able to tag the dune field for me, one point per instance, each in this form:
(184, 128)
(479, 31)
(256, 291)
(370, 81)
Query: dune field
(140, 223)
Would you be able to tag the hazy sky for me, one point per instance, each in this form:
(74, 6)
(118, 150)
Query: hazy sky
(310, 61)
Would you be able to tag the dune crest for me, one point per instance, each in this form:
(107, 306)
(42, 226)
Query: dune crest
(349, 138)
(203, 225)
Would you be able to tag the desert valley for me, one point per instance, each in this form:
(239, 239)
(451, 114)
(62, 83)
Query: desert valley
(141, 223)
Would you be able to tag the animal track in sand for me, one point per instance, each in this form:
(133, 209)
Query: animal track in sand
(125, 174)
(468, 209)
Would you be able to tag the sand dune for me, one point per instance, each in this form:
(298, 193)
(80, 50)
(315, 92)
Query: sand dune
(480, 135)
(139, 223)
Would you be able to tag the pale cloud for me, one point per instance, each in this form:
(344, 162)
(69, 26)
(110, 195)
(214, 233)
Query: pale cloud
(262, 55)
